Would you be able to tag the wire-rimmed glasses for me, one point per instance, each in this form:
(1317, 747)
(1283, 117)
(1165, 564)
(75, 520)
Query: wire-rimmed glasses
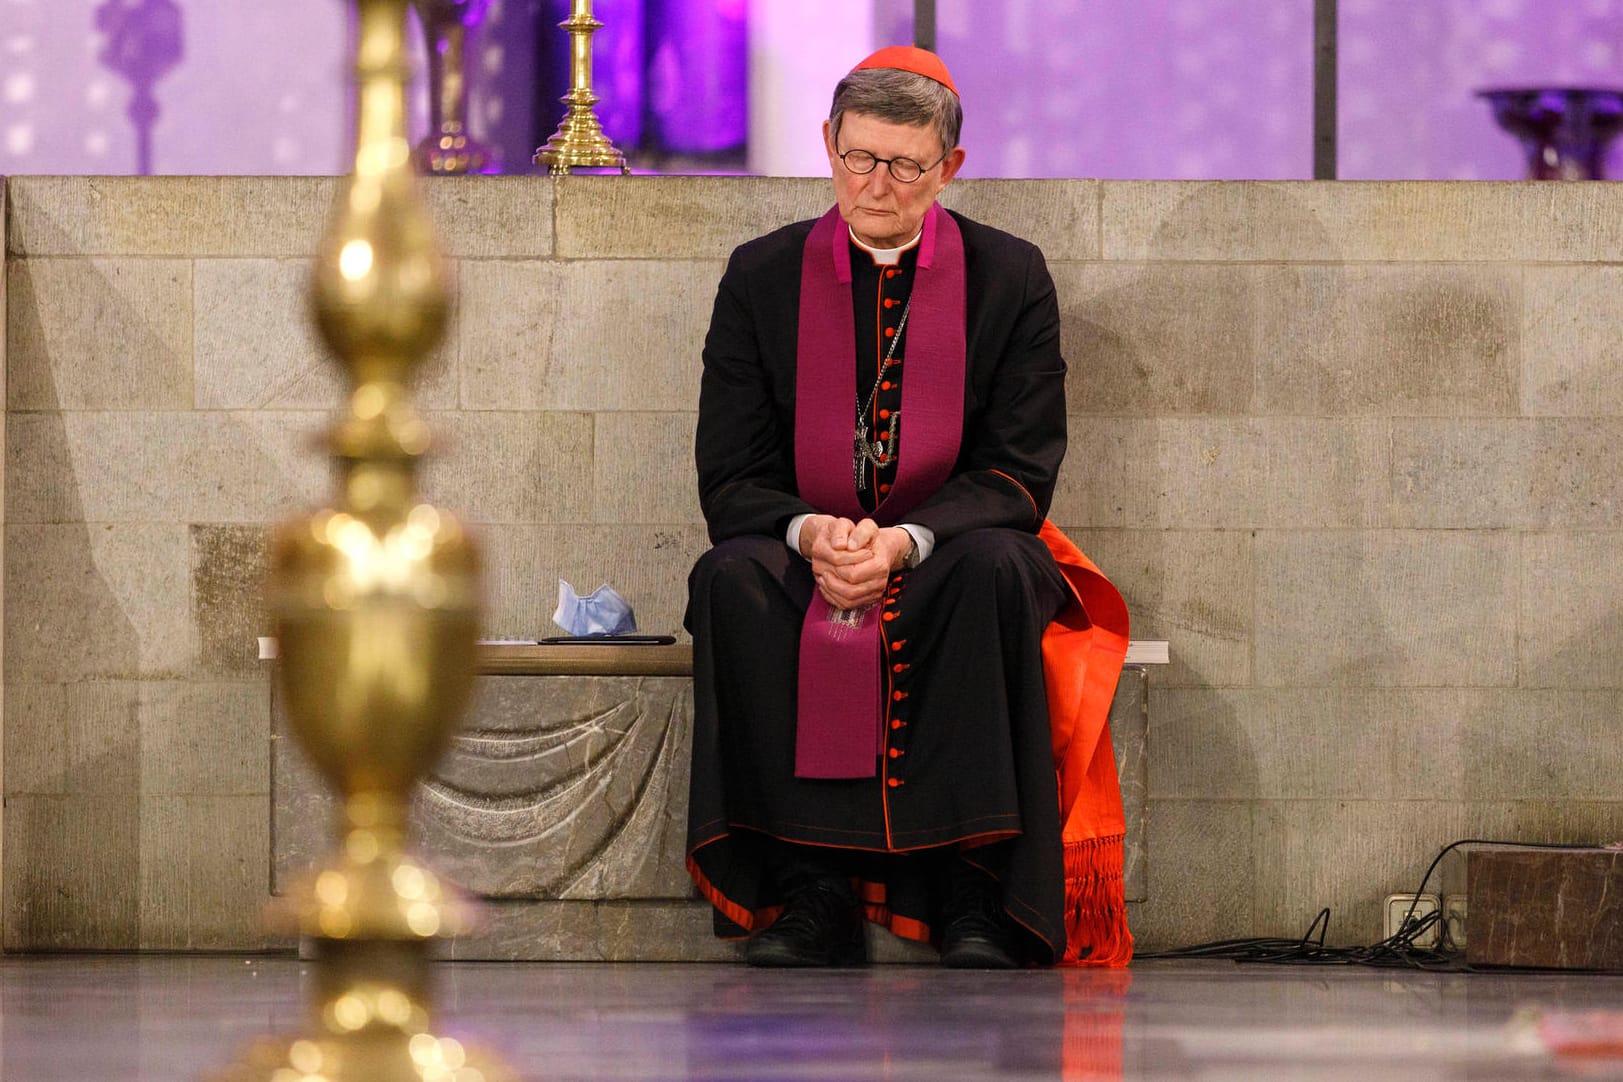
(904, 170)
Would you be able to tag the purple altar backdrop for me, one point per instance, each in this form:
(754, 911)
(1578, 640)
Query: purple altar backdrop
(1128, 88)
(698, 82)
(1408, 70)
(1107, 88)
(1191, 89)
(254, 87)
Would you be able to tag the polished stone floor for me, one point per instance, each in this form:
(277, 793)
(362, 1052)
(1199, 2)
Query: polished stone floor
(90, 1018)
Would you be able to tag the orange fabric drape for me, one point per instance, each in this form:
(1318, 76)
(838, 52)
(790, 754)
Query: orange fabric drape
(1083, 651)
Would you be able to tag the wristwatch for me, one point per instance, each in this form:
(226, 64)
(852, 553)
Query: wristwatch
(911, 560)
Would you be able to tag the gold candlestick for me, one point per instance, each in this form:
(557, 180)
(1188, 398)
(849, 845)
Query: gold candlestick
(376, 606)
(579, 142)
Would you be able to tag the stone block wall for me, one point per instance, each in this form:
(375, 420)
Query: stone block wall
(1353, 448)
(5, 246)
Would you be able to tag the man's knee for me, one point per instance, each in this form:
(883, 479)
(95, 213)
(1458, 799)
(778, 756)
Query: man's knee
(739, 572)
(737, 556)
(996, 550)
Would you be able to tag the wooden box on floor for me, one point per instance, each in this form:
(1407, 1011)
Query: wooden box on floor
(1549, 908)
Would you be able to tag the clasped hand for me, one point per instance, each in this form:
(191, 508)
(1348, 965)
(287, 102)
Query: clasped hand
(852, 561)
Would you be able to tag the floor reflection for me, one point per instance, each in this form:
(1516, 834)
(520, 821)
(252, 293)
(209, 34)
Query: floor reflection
(149, 1018)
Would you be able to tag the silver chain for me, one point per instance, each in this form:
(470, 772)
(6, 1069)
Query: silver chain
(875, 452)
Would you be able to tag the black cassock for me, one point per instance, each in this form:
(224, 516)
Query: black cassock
(967, 760)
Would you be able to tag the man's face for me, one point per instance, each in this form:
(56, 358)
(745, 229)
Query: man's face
(881, 210)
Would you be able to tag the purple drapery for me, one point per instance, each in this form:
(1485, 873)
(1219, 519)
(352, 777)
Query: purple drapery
(673, 74)
(698, 74)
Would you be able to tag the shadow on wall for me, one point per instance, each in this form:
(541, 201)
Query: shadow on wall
(145, 40)
(136, 728)
(1230, 485)
(1376, 641)
(72, 755)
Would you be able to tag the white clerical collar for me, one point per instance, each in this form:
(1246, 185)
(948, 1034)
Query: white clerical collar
(885, 257)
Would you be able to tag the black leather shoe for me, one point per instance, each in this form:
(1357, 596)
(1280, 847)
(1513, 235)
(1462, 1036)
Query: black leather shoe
(978, 934)
(820, 926)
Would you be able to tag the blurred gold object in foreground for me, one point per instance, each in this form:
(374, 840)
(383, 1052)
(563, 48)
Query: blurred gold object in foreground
(579, 142)
(376, 607)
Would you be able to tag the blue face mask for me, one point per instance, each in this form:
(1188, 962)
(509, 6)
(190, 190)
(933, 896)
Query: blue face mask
(602, 612)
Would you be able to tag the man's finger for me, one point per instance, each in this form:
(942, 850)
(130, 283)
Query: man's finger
(862, 534)
(861, 592)
(869, 566)
(838, 594)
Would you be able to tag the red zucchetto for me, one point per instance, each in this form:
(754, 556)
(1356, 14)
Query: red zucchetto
(910, 58)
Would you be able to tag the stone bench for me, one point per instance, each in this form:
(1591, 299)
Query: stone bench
(562, 803)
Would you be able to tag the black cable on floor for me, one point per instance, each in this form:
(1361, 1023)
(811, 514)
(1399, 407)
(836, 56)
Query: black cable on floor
(1398, 951)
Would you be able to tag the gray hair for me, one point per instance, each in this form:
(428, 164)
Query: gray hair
(898, 97)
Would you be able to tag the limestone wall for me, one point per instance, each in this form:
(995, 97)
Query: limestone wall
(1355, 449)
(3, 338)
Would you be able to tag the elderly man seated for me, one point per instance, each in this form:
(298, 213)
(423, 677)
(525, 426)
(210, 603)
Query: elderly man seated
(901, 670)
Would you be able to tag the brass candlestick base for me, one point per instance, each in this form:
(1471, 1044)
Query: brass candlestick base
(579, 142)
(376, 602)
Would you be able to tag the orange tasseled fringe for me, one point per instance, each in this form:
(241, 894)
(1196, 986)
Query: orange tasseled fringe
(1095, 905)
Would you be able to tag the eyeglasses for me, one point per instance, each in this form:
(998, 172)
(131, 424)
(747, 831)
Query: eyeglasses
(905, 170)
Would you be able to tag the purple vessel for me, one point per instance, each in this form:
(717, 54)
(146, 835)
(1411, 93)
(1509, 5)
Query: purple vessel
(1565, 131)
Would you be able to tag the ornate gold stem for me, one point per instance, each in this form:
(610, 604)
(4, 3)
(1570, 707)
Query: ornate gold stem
(579, 142)
(376, 602)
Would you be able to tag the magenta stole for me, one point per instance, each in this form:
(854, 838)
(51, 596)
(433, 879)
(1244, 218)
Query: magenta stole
(838, 732)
